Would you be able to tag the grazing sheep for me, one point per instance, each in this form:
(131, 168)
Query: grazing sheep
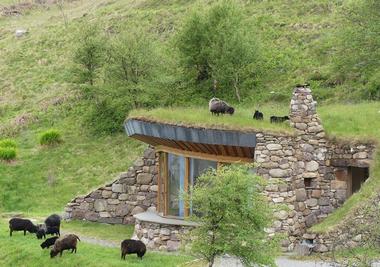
(64, 243)
(49, 242)
(275, 119)
(17, 224)
(130, 246)
(258, 115)
(217, 106)
(41, 233)
(53, 221)
(50, 230)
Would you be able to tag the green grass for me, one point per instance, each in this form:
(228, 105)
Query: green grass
(20, 250)
(201, 117)
(102, 231)
(50, 137)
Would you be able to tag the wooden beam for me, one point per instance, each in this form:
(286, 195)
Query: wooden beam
(186, 184)
(203, 156)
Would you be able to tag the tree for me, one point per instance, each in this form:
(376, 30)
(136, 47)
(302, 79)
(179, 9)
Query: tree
(89, 54)
(215, 46)
(232, 214)
(131, 66)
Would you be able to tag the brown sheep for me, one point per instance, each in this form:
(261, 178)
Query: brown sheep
(64, 243)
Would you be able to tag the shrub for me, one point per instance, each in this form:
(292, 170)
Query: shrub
(50, 137)
(8, 143)
(216, 47)
(7, 153)
(89, 54)
(232, 214)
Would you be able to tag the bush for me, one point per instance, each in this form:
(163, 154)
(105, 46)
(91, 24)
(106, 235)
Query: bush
(7, 153)
(50, 137)
(232, 214)
(8, 143)
(219, 51)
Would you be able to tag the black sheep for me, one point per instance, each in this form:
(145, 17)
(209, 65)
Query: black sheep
(53, 221)
(275, 119)
(18, 224)
(217, 106)
(258, 115)
(49, 242)
(50, 230)
(130, 246)
(64, 243)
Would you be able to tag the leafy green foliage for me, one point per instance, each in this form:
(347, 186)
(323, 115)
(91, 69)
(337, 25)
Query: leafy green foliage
(50, 137)
(217, 48)
(7, 153)
(358, 54)
(89, 54)
(232, 213)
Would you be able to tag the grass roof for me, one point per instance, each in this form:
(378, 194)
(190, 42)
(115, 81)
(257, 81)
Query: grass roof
(200, 117)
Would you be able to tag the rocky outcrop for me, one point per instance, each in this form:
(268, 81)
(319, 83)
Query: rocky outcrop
(133, 192)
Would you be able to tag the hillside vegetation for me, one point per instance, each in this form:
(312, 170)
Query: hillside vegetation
(42, 84)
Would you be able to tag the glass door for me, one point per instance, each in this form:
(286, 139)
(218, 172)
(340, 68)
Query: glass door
(176, 185)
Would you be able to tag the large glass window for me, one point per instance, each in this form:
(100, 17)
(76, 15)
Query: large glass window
(176, 185)
(177, 174)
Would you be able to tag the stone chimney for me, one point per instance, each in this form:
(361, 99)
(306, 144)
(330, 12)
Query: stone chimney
(303, 113)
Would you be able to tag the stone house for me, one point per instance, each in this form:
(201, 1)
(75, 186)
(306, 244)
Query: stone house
(317, 174)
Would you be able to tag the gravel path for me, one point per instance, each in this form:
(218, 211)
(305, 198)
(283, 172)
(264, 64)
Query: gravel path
(95, 241)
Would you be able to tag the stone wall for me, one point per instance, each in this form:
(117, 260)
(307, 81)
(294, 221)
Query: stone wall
(158, 236)
(133, 192)
(360, 229)
(300, 169)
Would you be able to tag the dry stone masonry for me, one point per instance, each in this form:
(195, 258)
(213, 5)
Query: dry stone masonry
(308, 177)
(301, 172)
(116, 203)
(158, 236)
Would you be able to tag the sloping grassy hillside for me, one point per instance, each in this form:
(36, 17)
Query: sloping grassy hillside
(38, 89)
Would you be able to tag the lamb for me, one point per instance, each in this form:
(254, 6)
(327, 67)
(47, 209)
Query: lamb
(49, 242)
(258, 115)
(18, 224)
(275, 119)
(64, 243)
(130, 246)
(217, 106)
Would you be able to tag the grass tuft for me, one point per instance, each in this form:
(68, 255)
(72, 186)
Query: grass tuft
(50, 137)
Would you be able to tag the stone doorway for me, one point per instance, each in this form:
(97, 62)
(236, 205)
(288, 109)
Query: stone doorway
(356, 177)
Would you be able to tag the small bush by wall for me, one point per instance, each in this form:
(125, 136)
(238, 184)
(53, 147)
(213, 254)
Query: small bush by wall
(50, 137)
(7, 153)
